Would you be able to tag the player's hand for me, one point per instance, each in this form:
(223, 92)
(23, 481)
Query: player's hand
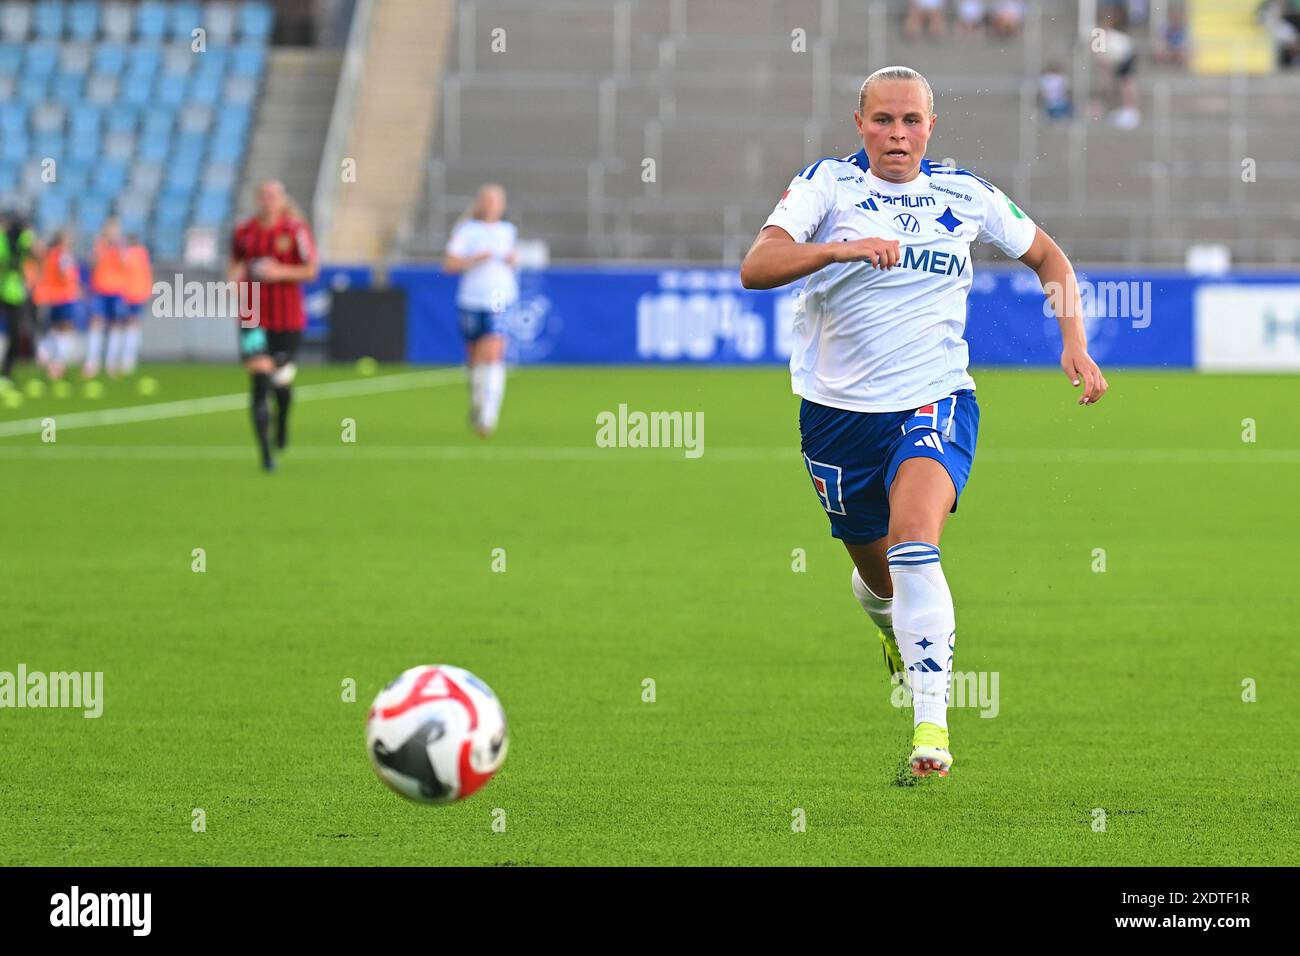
(881, 253)
(1080, 369)
(265, 268)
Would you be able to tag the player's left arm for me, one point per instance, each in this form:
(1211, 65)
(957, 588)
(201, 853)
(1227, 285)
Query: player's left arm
(1057, 276)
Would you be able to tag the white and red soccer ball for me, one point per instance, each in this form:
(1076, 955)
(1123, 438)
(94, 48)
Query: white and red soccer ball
(436, 734)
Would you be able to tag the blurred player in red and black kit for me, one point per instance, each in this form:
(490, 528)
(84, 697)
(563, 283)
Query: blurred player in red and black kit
(271, 256)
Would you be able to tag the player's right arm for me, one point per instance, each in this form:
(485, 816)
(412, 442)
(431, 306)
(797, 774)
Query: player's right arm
(459, 258)
(782, 252)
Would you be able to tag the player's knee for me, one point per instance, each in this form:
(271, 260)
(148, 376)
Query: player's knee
(283, 376)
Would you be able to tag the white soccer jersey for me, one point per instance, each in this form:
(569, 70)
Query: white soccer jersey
(872, 340)
(490, 285)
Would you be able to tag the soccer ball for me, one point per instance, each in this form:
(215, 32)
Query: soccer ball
(436, 734)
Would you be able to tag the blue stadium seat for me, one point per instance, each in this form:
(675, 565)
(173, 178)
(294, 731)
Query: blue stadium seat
(8, 179)
(219, 20)
(233, 122)
(133, 210)
(219, 176)
(156, 122)
(121, 118)
(92, 210)
(184, 18)
(14, 148)
(47, 145)
(256, 21)
(215, 61)
(8, 87)
(52, 209)
(212, 208)
(144, 59)
(110, 177)
(151, 20)
(84, 118)
(167, 242)
(118, 21)
(68, 88)
(11, 57)
(190, 143)
(206, 89)
(74, 176)
(226, 150)
(83, 20)
(110, 58)
(172, 211)
(248, 60)
(101, 89)
(13, 118)
(32, 87)
(136, 90)
(172, 90)
(84, 147)
(47, 20)
(15, 21)
(154, 148)
(41, 59)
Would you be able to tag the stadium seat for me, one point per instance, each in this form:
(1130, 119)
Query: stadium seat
(109, 177)
(144, 59)
(47, 20)
(136, 90)
(15, 21)
(117, 21)
(154, 148)
(119, 145)
(211, 208)
(40, 59)
(213, 62)
(48, 118)
(172, 212)
(83, 20)
(75, 58)
(121, 118)
(146, 176)
(184, 18)
(133, 211)
(14, 148)
(156, 122)
(68, 88)
(179, 60)
(256, 21)
(219, 21)
(84, 148)
(248, 60)
(226, 150)
(219, 176)
(205, 90)
(31, 88)
(73, 176)
(171, 90)
(167, 242)
(240, 90)
(85, 118)
(101, 90)
(8, 180)
(92, 210)
(11, 58)
(13, 118)
(151, 20)
(196, 118)
(110, 58)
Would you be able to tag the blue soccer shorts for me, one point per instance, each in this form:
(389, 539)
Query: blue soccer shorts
(852, 457)
(476, 323)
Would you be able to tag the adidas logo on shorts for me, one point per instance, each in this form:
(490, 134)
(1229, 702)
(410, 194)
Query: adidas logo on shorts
(931, 440)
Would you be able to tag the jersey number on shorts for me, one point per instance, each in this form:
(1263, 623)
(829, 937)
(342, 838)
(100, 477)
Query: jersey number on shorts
(826, 482)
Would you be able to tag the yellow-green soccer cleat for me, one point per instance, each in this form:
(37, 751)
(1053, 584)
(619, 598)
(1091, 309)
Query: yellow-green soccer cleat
(893, 659)
(930, 750)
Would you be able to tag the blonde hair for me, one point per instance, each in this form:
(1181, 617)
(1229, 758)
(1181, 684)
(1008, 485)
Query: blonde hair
(895, 73)
(475, 208)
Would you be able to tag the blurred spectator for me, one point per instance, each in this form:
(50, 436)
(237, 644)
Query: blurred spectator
(17, 250)
(1054, 93)
(1172, 47)
(1282, 19)
(926, 16)
(1008, 18)
(971, 15)
(1116, 53)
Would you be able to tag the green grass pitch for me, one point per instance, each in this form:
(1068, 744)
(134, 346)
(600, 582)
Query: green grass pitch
(1120, 690)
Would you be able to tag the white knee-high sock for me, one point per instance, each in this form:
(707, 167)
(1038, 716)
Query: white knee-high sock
(880, 610)
(113, 357)
(494, 392)
(94, 345)
(925, 625)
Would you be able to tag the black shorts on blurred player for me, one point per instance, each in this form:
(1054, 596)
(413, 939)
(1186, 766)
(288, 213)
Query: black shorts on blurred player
(281, 346)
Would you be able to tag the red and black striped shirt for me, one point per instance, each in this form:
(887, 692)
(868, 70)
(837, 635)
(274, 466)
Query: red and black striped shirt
(287, 240)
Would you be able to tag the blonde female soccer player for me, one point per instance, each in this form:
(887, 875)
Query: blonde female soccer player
(889, 417)
(482, 250)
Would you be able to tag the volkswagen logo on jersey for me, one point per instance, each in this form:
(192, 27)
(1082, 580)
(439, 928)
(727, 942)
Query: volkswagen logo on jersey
(907, 222)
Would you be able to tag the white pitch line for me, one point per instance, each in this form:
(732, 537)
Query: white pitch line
(227, 403)
(487, 452)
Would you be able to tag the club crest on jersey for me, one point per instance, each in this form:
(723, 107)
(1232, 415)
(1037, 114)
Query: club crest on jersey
(826, 482)
(907, 222)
